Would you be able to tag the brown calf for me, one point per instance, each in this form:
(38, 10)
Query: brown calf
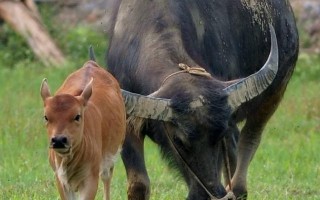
(85, 121)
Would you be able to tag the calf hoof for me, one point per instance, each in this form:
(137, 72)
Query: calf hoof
(138, 191)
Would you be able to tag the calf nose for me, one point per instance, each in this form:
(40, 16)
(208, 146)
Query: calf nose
(59, 142)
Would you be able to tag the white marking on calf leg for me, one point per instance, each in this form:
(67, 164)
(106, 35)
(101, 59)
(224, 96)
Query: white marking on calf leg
(106, 170)
(89, 189)
(108, 163)
(62, 177)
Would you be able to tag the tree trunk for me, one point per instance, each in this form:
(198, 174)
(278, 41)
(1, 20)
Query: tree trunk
(24, 18)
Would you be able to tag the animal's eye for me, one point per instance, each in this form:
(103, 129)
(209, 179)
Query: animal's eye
(181, 144)
(77, 118)
(45, 118)
(177, 141)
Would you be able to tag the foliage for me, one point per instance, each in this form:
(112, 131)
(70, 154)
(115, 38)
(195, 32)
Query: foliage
(305, 40)
(77, 41)
(308, 68)
(73, 41)
(13, 48)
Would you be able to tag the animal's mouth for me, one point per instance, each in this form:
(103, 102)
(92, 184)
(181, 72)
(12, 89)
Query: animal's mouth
(62, 150)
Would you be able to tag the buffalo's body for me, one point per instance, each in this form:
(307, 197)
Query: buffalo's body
(230, 40)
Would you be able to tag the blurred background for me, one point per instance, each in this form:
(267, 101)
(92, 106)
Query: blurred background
(50, 38)
(47, 30)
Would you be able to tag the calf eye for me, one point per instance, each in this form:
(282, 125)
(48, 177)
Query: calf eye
(45, 118)
(77, 118)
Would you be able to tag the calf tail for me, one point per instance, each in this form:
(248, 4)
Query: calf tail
(91, 53)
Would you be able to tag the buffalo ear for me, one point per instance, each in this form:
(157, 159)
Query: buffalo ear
(87, 91)
(44, 89)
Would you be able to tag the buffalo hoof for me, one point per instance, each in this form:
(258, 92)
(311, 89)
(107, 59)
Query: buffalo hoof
(138, 191)
(242, 197)
(239, 192)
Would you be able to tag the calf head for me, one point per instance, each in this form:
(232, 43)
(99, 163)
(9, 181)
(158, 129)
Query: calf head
(63, 114)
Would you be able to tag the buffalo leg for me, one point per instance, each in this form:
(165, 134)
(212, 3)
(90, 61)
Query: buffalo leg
(133, 159)
(249, 141)
(248, 144)
(232, 137)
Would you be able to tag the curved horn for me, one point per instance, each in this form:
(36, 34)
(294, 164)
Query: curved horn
(151, 107)
(147, 106)
(253, 85)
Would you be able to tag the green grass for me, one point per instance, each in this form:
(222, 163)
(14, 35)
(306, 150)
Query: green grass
(286, 166)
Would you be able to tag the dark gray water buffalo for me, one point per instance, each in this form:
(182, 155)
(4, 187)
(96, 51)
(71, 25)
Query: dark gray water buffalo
(194, 69)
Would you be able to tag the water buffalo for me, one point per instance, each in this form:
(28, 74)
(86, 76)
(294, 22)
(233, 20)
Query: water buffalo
(191, 70)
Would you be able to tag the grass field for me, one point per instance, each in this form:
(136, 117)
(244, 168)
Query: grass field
(286, 166)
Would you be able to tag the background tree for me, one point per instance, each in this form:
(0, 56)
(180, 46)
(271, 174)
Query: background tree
(24, 18)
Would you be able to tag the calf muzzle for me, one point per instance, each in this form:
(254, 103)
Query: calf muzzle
(59, 142)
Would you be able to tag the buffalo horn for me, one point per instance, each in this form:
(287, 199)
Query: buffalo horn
(238, 92)
(253, 85)
(151, 107)
(147, 106)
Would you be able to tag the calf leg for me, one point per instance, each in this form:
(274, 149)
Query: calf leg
(62, 193)
(107, 166)
(89, 190)
(106, 178)
(65, 193)
(133, 157)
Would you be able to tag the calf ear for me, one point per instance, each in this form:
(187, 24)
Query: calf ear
(87, 91)
(44, 89)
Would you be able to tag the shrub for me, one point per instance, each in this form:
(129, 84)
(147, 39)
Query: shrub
(74, 41)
